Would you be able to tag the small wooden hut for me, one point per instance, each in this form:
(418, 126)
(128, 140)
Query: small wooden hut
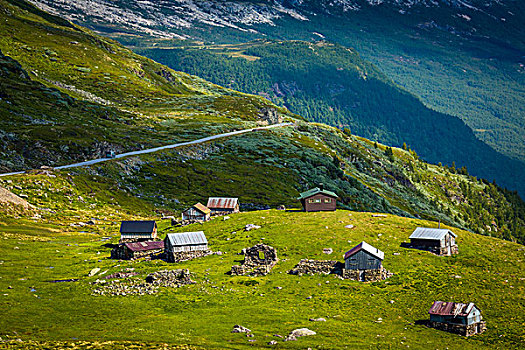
(364, 263)
(198, 212)
(459, 318)
(318, 199)
(137, 231)
(436, 240)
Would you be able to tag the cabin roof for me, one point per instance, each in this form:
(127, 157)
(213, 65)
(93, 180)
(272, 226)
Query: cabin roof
(444, 308)
(201, 207)
(187, 238)
(137, 226)
(143, 246)
(367, 248)
(222, 203)
(430, 233)
(315, 191)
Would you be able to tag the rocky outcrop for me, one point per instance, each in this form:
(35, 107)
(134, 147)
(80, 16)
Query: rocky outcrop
(11, 198)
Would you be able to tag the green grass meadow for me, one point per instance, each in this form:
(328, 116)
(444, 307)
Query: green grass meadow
(359, 315)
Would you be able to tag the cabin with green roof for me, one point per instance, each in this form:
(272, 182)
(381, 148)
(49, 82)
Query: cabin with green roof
(318, 199)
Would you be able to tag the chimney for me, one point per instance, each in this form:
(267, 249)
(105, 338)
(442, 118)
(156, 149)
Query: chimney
(321, 186)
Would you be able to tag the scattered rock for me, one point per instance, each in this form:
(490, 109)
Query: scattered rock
(328, 250)
(250, 227)
(94, 271)
(226, 218)
(301, 332)
(240, 329)
(349, 226)
(320, 319)
(379, 215)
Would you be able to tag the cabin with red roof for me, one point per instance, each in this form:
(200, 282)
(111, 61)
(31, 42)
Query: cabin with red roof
(459, 318)
(136, 250)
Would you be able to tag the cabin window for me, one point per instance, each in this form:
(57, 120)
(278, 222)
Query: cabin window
(328, 200)
(314, 200)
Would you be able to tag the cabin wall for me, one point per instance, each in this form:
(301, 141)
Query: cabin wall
(362, 260)
(319, 202)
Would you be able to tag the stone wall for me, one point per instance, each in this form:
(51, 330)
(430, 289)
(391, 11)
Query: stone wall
(311, 267)
(258, 261)
(121, 252)
(175, 257)
(367, 275)
(461, 329)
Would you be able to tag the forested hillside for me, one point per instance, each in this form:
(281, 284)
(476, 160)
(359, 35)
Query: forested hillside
(333, 85)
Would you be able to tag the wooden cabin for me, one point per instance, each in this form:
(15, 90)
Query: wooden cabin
(198, 212)
(136, 250)
(223, 206)
(184, 242)
(318, 199)
(137, 231)
(436, 240)
(459, 318)
(363, 257)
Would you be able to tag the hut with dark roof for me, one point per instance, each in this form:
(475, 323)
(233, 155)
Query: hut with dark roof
(436, 240)
(459, 318)
(198, 212)
(136, 250)
(137, 231)
(318, 199)
(222, 205)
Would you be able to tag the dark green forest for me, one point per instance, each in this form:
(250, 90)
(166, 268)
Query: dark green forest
(330, 83)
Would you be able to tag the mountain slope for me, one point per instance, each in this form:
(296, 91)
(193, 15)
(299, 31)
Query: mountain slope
(462, 58)
(81, 95)
(333, 85)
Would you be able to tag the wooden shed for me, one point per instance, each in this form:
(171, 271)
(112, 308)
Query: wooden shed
(135, 250)
(318, 199)
(223, 205)
(436, 240)
(363, 257)
(460, 318)
(184, 242)
(198, 212)
(136, 231)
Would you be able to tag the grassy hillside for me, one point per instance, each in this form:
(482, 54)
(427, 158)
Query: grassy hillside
(80, 95)
(382, 314)
(334, 85)
(45, 122)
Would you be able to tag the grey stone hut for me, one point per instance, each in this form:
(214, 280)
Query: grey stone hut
(459, 318)
(364, 263)
(185, 245)
(137, 231)
(435, 240)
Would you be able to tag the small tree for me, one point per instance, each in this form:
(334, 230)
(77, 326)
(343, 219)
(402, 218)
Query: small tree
(390, 153)
(405, 146)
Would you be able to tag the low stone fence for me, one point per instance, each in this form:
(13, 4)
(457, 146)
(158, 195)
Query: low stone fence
(312, 267)
(258, 261)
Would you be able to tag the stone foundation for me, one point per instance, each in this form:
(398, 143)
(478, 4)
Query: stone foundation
(175, 257)
(461, 329)
(258, 261)
(312, 267)
(367, 275)
(442, 251)
(122, 253)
